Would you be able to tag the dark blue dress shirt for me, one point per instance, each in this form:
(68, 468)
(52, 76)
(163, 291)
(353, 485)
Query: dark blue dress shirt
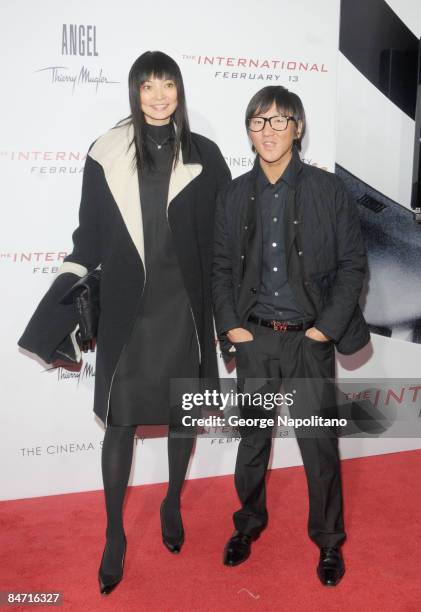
(275, 298)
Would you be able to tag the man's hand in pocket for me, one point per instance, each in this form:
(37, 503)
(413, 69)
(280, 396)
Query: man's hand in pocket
(239, 334)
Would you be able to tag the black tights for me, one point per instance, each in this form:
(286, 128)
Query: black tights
(117, 454)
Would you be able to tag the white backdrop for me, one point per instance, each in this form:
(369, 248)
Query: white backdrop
(56, 105)
(375, 141)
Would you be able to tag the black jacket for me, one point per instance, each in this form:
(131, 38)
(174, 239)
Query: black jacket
(325, 255)
(110, 234)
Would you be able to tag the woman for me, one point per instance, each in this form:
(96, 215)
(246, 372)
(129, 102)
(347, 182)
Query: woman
(146, 217)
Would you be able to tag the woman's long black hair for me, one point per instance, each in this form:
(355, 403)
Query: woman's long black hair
(161, 66)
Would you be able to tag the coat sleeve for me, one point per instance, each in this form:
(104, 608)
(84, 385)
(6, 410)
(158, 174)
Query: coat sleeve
(85, 255)
(52, 321)
(222, 279)
(351, 268)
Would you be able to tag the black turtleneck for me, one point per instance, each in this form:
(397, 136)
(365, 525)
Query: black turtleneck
(159, 136)
(153, 187)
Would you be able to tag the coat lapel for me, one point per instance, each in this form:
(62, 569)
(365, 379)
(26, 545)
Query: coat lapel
(251, 240)
(114, 151)
(181, 175)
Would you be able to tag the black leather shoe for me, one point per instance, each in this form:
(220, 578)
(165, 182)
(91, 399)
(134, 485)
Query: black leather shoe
(172, 541)
(331, 566)
(108, 582)
(238, 548)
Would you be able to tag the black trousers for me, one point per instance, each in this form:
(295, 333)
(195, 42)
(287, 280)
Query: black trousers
(306, 364)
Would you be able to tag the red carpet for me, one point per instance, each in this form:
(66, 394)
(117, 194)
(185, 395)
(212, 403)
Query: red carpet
(55, 544)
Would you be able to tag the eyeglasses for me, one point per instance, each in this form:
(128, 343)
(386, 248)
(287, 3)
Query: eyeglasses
(279, 123)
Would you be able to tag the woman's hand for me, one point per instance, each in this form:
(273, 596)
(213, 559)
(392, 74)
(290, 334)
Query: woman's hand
(239, 334)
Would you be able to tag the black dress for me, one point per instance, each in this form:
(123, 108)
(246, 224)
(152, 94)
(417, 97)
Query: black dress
(163, 343)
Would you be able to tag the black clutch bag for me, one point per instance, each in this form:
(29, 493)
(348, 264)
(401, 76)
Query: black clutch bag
(84, 294)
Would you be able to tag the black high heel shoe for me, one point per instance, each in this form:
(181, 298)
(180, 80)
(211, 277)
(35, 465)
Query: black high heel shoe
(108, 582)
(171, 542)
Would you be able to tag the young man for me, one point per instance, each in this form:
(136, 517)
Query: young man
(289, 265)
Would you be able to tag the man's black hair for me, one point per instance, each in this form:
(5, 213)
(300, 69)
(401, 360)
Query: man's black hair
(287, 103)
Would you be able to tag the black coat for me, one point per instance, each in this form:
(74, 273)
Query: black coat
(325, 255)
(110, 234)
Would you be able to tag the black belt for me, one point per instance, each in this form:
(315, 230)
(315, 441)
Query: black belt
(281, 326)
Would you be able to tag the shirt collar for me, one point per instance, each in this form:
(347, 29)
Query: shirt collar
(289, 175)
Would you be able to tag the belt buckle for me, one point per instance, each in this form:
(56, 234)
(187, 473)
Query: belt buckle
(278, 326)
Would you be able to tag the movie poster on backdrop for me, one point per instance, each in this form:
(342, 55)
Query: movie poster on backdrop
(65, 83)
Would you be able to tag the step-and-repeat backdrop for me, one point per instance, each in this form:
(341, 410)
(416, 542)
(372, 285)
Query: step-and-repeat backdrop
(64, 82)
